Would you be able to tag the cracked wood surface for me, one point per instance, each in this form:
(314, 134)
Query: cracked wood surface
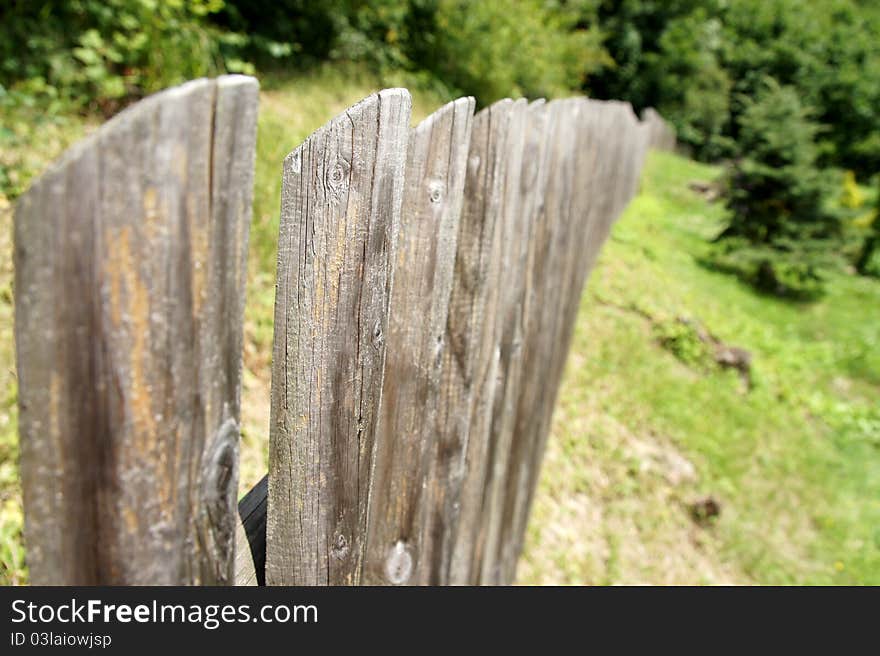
(428, 284)
(340, 211)
(400, 542)
(130, 265)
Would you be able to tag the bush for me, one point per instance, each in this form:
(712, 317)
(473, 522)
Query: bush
(509, 48)
(487, 48)
(785, 274)
(100, 54)
(780, 221)
(683, 339)
(868, 262)
(694, 59)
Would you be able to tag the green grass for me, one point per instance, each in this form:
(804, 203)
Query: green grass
(794, 463)
(638, 434)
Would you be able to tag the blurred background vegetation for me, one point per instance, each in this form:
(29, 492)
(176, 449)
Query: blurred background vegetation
(769, 233)
(786, 90)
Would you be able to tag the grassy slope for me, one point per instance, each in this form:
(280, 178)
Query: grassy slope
(637, 434)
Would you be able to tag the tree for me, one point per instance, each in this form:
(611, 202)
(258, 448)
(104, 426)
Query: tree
(780, 226)
(872, 240)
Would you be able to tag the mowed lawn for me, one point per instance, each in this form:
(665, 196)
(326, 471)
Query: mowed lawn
(639, 435)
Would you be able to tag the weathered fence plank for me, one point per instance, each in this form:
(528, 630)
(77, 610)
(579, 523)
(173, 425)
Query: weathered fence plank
(467, 363)
(661, 135)
(523, 197)
(130, 265)
(578, 234)
(340, 210)
(400, 546)
(428, 285)
(546, 264)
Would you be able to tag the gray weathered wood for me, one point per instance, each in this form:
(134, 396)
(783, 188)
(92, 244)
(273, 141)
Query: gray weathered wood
(544, 282)
(245, 571)
(428, 286)
(130, 268)
(340, 210)
(661, 135)
(523, 196)
(400, 546)
(597, 164)
(467, 363)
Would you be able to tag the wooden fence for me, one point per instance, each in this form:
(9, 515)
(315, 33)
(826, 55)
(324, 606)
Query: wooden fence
(428, 283)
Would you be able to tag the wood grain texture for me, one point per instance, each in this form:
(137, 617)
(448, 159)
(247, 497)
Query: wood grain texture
(466, 364)
(596, 164)
(522, 199)
(340, 211)
(130, 264)
(400, 545)
(245, 570)
(551, 236)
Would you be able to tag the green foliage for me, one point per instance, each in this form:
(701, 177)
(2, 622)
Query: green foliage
(852, 196)
(780, 227)
(695, 60)
(682, 338)
(696, 87)
(487, 48)
(509, 48)
(786, 274)
(99, 54)
(793, 461)
(868, 262)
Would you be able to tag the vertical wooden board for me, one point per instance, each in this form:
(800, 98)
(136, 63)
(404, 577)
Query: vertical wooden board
(522, 195)
(58, 482)
(233, 160)
(661, 135)
(608, 119)
(633, 150)
(129, 484)
(584, 191)
(466, 366)
(340, 210)
(548, 286)
(399, 546)
(603, 168)
(626, 147)
(575, 158)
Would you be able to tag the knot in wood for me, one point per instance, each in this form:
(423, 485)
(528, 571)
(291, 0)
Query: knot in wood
(398, 564)
(296, 162)
(340, 547)
(377, 334)
(529, 174)
(336, 181)
(435, 191)
(474, 164)
(337, 174)
(217, 516)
